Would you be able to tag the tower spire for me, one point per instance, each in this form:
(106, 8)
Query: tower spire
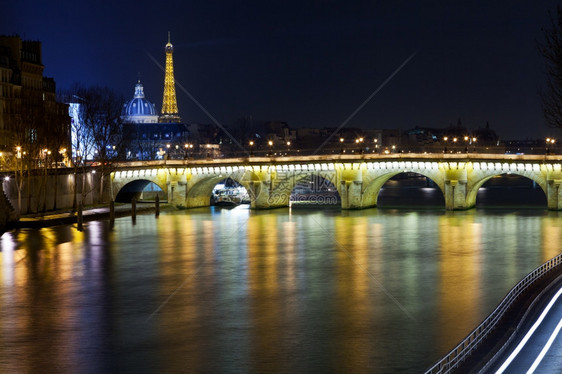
(169, 104)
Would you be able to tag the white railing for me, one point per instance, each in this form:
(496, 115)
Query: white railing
(466, 347)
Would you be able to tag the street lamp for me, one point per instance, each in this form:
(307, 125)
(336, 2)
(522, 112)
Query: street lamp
(359, 142)
(270, 142)
(445, 138)
(288, 146)
(62, 152)
(251, 148)
(549, 143)
(466, 139)
(376, 141)
(341, 145)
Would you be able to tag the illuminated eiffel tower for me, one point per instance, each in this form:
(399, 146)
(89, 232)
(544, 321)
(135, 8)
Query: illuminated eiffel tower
(170, 112)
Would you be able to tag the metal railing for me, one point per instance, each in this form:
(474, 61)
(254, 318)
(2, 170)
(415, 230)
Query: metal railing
(467, 346)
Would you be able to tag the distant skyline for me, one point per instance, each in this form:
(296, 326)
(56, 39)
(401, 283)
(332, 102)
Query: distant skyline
(310, 64)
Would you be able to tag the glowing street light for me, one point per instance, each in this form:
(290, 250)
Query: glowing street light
(251, 148)
(549, 143)
(359, 142)
(466, 140)
(270, 142)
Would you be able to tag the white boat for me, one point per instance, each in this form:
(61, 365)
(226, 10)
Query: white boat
(226, 197)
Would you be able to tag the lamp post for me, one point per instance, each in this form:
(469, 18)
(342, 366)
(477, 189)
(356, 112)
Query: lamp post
(341, 145)
(466, 139)
(251, 148)
(445, 138)
(270, 143)
(455, 144)
(549, 143)
(359, 142)
(19, 176)
(376, 141)
(63, 155)
(288, 146)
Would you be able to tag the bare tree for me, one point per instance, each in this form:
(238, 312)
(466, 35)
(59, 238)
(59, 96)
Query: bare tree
(98, 138)
(551, 50)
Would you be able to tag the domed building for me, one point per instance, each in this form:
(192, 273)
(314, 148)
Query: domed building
(139, 109)
(147, 137)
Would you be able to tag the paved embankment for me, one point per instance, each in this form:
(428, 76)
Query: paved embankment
(518, 319)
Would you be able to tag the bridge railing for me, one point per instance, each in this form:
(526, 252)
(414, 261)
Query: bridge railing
(467, 346)
(344, 158)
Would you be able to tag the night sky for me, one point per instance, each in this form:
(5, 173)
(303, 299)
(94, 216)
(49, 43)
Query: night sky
(309, 63)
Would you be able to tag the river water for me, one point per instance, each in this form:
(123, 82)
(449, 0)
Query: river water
(212, 290)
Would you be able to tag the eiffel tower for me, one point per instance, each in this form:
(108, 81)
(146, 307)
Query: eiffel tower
(170, 112)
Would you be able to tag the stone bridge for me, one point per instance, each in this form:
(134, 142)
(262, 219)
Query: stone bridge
(358, 179)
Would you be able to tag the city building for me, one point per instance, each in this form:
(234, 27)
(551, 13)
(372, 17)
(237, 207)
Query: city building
(30, 116)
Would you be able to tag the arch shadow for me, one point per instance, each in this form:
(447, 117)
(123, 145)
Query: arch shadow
(134, 190)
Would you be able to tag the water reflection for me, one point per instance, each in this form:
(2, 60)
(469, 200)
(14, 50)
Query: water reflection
(460, 260)
(211, 290)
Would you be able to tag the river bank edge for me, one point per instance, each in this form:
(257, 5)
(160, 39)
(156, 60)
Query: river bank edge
(66, 216)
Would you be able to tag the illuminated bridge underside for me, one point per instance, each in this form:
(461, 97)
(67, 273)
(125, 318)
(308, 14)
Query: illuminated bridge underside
(270, 181)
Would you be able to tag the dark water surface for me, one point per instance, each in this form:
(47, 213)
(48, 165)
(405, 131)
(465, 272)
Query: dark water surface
(282, 291)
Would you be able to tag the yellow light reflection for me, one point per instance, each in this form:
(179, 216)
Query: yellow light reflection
(460, 276)
(266, 308)
(552, 237)
(354, 286)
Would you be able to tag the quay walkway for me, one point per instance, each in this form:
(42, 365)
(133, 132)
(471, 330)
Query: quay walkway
(89, 214)
(486, 349)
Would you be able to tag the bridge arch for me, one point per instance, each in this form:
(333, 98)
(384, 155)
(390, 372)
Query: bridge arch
(317, 188)
(199, 193)
(373, 188)
(477, 183)
(134, 189)
(284, 183)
